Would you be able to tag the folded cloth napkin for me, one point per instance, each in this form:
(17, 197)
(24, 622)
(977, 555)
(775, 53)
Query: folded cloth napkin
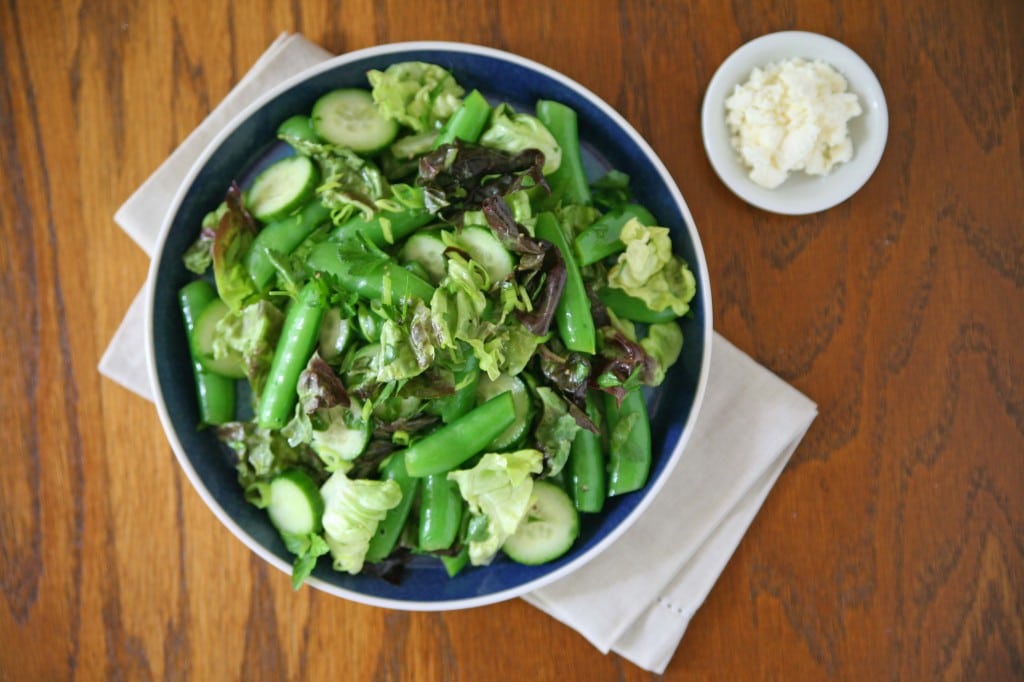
(638, 596)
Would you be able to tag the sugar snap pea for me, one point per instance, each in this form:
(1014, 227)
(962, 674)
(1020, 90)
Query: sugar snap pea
(282, 237)
(468, 121)
(587, 464)
(572, 315)
(390, 529)
(371, 275)
(298, 340)
(297, 128)
(629, 443)
(385, 227)
(454, 443)
(441, 509)
(215, 393)
(600, 240)
(632, 308)
(569, 182)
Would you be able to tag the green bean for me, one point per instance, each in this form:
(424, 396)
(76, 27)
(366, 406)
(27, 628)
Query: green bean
(372, 276)
(298, 340)
(283, 236)
(587, 464)
(454, 443)
(441, 509)
(601, 239)
(468, 121)
(632, 308)
(572, 315)
(214, 393)
(569, 182)
(390, 529)
(298, 128)
(629, 443)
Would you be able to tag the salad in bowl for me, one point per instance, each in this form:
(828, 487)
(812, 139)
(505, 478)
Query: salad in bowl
(427, 343)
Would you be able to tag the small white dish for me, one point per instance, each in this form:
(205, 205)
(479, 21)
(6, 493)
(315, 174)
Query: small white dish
(800, 194)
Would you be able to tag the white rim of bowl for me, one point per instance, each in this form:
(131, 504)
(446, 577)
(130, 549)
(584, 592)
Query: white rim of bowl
(494, 597)
(845, 180)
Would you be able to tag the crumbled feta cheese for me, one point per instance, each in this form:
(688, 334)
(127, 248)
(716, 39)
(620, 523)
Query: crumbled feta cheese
(790, 116)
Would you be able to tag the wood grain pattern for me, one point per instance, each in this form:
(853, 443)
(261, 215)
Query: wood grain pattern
(891, 548)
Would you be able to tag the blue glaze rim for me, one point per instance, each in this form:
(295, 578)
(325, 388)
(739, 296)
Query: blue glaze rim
(608, 140)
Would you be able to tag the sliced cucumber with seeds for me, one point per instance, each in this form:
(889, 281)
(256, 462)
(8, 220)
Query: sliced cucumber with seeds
(349, 117)
(427, 249)
(483, 246)
(549, 529)
(205, 333)
(487, 389)
(296, 506)
(282, 189)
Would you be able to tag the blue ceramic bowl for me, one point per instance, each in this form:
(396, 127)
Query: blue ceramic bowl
(608, 142)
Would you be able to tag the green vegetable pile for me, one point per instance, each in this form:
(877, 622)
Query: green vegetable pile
(443, 325)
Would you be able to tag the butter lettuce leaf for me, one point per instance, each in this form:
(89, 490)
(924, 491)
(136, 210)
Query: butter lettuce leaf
(663, 343)
(418, 95)
(352, 511)
(499, 488)
(516, 132)
(649, 271)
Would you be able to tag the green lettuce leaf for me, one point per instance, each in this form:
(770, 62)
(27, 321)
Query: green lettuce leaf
(516, 132)
(350, 182)
(555, 431)
(199, 256)
(649, 271)
(416, 94)
(498, 488)
(352, 511)
(306, 548)
(262, 454)
(410, 340)
(252, 334)
(338, 435)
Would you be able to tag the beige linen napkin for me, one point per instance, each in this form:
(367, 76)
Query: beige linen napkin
(638, 596)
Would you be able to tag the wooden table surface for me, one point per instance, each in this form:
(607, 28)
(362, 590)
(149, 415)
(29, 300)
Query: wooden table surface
(891, 548)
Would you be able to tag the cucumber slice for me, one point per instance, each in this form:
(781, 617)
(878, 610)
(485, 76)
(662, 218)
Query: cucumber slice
(549, 529)
(487, 389)
(296, 506)
(484, 247)
(282, 189)
(205, 332)
(349, 117)
(427, 249)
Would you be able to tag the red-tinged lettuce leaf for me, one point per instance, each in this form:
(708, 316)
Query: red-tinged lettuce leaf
(231, 242)
(320, 387)
(541, 270)
(459, 177)
(622, 365)
(569, 376)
